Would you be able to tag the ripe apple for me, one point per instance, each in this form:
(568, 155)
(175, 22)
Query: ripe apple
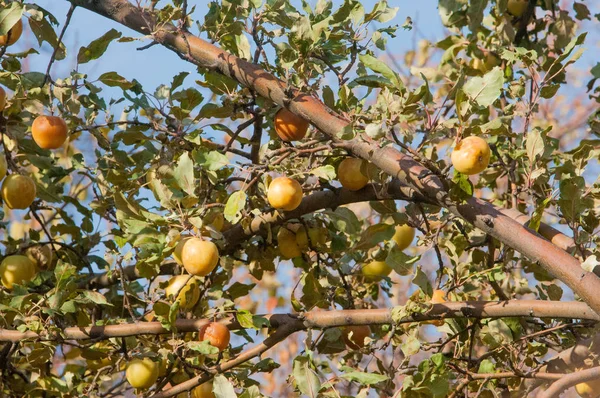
(376, 270)
(199, 257)
(351, 173)
(354, 336)
(471, 155)
(216, 333)
(188, 293)
(142, 373)
(49, 132)
(517, 7)
(204, 390)
(290, 127)
(284, 193)
(403, 236)
(16, 269)
(18, 192)
(287, 243)
(179, 247)
(3, 166)
(15, 33)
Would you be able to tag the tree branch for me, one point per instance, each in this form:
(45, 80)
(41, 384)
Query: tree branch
(328, 319)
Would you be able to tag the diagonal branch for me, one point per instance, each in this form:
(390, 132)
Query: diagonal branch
(481, 214)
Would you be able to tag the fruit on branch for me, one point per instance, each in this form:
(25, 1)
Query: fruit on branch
(49, 132)
(517, 7)
(41, 255)
(14, 33)
(288, 243)
(486, 64)
(3, 166)
(189, 291)
(199, 257)
(376, 270)
(216, 334)
(179, 248)
(354, 336)
(438, 297)
(18, 192)
(16, 269)
(471, 155)
(403, 236)
(352, 173)
(204, 390)
(284, 193)
(290, 127)
(142, 373)
(588, 389)
(2, 99)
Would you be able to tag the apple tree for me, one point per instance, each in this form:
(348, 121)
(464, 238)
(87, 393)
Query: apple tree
(307, 213)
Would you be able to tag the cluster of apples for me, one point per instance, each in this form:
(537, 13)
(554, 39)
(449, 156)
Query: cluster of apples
(142, 373)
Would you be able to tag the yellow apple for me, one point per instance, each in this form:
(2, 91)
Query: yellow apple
(16, 269)
(199, 257)
(18, 192)
(471, 155)
(376, 270)
(284, 193)
(287, 243)
(188, 293)
(142, 373)
(403, 236)
(350, 174)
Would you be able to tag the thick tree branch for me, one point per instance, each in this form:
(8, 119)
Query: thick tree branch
(481, 214)
(327, 319)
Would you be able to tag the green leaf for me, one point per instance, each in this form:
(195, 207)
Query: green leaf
(97, 47)
(305, 376)
(374, 235)
(184, 174)
(422, 281)
(366, 379)
(95, 297)
(223, 388)
(411, 345)
(212, 160)
(402, 263)
(249, 321)
(113, 79)
(485, 90)
(234, 206)
(326, 172)
(380, 67)
(203, 347)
